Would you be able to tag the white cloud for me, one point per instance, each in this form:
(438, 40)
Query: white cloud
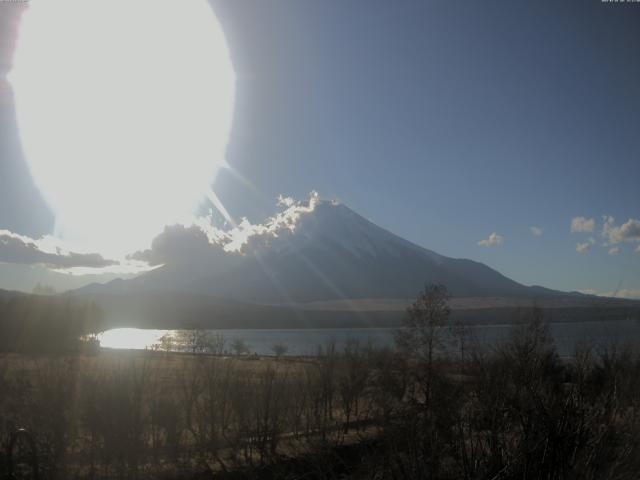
(122, 269)
(614, 251)
(494, 239)
(626, 293)
(608, 220)
(536, 231)
(630, 293)
(582, 224)
(247, 235)
(286, 201)
(627, 232)
(583, 247)
(588, 291)
(201, 242)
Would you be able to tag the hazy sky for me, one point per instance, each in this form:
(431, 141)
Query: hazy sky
(442, 121)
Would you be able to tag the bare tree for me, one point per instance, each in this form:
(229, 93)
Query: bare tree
(217, 343)
(422, 331)
(422, 334)
(239, 347)
(279, 349)
(201, 341)
(166, 343)
(352, 381)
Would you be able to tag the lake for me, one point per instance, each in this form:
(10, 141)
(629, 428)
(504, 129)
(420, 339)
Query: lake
(307, 341)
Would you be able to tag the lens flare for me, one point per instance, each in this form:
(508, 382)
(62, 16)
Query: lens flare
(124, 110)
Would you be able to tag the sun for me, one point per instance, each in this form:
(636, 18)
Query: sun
(124, 110)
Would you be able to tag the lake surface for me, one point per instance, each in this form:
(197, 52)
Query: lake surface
(307, 341)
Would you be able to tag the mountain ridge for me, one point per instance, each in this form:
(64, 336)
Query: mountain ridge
(330, 253)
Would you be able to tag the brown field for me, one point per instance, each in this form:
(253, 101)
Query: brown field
(153, 412)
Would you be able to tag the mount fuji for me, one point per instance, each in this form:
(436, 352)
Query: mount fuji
(326, 261)
(330, 253)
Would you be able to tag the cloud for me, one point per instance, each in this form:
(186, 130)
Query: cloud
(614, 251)
(255, 237)
(626, 293)
(607, 220)
(174, 242)
(583, 247)
(182, 245)
(494, 239)
(630, 293)
(588, 291)
(536, 231)
(582, 224)
(627, 232)
(638, 249)
(202, 243)
(47, 251)
(633, 293)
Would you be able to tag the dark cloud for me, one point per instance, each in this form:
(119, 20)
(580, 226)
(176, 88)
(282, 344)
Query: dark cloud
(201, 243)
(24, 250)
(179, 244)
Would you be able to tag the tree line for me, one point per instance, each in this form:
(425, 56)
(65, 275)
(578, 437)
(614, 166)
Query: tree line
(48, 324)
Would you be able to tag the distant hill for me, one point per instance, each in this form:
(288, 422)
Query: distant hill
(165, 310)
(5, 295)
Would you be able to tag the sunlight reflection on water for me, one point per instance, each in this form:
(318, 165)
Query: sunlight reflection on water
(130, 338)
(307, 341)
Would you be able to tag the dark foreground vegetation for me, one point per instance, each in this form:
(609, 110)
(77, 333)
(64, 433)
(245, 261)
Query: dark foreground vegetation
(513, 411)
(48, 324)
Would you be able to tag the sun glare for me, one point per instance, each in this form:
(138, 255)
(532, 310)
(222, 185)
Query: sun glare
(131, 338)
(124, 110)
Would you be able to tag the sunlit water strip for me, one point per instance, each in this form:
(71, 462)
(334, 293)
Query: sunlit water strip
(131, 338)
(307, 341)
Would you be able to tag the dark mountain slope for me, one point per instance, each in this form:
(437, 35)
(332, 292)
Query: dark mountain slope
(331, 253)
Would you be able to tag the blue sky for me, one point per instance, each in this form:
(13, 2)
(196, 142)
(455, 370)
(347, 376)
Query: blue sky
(440, 121)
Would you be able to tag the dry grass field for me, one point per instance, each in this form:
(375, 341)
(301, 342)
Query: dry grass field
(103, 416)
